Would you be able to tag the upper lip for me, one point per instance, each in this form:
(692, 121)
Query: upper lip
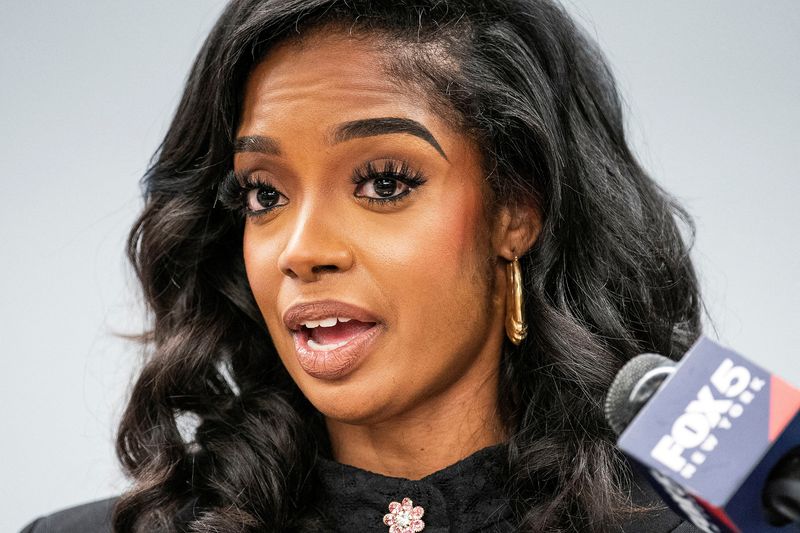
(296, 315)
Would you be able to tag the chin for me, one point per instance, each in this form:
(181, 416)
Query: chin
(354, 411)
(354, 401)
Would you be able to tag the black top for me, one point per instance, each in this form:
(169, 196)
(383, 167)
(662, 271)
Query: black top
(465, 497)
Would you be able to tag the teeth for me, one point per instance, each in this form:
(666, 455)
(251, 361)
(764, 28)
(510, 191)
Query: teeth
(325, 322)
(317, 347)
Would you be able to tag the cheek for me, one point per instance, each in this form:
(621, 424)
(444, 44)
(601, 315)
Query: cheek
(449, 240)
(443, 297)
(443, 235)
(440, 276)
(260, 262)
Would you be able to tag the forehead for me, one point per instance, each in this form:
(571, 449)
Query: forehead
(330, 77)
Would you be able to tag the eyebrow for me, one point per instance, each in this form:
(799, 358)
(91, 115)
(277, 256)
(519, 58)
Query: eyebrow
(370, 127)
(356, 129)
(257, 143)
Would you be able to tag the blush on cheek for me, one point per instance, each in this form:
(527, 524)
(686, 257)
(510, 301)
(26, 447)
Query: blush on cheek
(457, 232)
(445, 268)
(260, 263)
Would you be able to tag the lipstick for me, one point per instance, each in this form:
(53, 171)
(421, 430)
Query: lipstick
(331, 337)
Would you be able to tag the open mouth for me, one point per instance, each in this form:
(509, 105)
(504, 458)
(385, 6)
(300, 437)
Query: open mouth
(331, 338)
(329, 334)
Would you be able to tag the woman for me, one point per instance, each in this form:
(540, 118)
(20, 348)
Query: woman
(395, 253)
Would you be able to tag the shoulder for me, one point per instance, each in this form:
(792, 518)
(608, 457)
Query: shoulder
(94, 517)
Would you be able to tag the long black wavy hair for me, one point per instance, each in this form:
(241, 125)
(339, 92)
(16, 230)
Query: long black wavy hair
(608, 278)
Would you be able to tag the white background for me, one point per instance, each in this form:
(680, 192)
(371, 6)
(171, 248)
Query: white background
(86, 93)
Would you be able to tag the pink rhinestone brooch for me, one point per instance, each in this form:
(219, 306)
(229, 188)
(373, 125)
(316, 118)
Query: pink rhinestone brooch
(404, 517)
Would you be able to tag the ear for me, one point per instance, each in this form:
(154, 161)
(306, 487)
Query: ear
(516, 230)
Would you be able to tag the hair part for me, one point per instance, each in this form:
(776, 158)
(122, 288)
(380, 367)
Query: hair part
(609, 276)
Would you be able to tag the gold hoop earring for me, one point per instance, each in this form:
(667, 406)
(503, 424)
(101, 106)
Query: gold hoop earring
(516, 328)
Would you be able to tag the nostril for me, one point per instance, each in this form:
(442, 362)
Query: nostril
(324, 268)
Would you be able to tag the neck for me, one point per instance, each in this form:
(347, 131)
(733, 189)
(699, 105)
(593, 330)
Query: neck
(438, 432)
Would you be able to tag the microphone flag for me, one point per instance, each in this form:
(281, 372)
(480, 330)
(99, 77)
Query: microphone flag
(709, 437)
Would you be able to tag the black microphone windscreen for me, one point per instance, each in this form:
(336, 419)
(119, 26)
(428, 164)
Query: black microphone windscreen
(619, 408)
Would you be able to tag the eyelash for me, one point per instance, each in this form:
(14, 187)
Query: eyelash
(235, 186)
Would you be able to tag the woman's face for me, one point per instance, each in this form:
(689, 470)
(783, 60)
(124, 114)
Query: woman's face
(368, 251)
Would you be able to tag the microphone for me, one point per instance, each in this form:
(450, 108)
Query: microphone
(716, 435)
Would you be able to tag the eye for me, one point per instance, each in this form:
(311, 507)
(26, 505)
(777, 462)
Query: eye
(390, 184)
(263, 198)
(248, 195)
(380, 188)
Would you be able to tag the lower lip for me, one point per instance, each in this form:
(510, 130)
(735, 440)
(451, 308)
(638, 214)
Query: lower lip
(336, 363)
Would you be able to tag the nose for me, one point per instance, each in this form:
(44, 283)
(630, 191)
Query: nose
(317, 245)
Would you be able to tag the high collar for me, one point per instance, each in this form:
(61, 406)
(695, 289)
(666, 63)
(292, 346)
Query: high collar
(466, 496)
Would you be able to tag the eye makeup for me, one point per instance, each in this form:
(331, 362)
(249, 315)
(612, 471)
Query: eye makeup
(378, 183)
(384, 183)
(239, 191)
